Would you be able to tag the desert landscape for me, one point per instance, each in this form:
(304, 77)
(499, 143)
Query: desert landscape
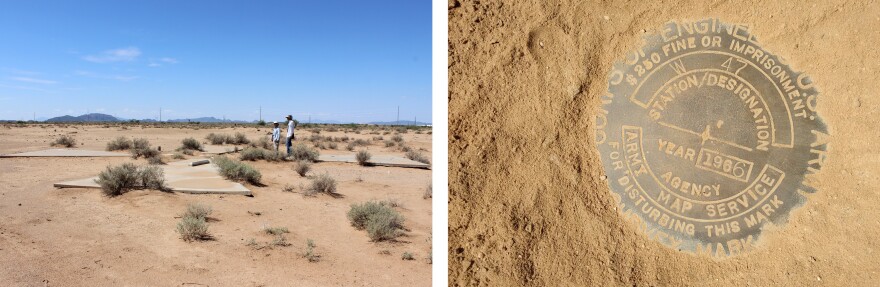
(286, 233)
(529, 203)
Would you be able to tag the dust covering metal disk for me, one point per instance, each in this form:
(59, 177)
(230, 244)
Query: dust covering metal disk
(706, 137)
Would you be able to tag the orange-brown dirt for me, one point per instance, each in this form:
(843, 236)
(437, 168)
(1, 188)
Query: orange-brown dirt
(78, 237)
(527, 205)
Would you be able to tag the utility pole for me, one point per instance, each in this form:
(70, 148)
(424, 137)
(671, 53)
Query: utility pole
(414, 120)
(310, 119)
(261, 113)
(398, 116)
(160, 114)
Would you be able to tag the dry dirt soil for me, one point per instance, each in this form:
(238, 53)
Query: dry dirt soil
(527, 206)
(78, 237)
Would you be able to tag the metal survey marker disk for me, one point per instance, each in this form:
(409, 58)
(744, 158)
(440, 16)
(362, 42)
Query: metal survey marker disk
(706, 137)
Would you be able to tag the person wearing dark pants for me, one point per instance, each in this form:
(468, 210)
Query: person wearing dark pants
(290, 135)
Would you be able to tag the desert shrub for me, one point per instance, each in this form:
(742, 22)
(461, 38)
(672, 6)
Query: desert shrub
(240, 138)
(350, 146)
(322, 183)
(140, 143)
(428, 193)
(65, 141)
(397, 138)
(187, 152)
(178, 155)
(363, 157)
(197, 210)
(360, 142)
(381, 221)
(302, 167)
(236, 170)
(263, 142)
(302, 152)
(155, 160)
(275, 230)
(216, 139)
(320, 145)
(191, 144)
(391, 202)
(144, 152)
(385, 225)
(192, 228)
(405, 148)
(252, 154)
(310, 251)
(120, 143)
(117, 180)
(417, 156)
(378, 138)
(287, 188)
(332, 145)
(407, 256)
(344, 139)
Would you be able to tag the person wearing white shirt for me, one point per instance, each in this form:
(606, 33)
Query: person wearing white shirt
(290, 135)
(276, 135)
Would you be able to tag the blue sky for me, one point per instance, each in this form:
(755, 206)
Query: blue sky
(352, 61)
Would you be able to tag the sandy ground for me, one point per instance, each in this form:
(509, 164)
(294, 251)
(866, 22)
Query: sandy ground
(527, 206)
(77, 237)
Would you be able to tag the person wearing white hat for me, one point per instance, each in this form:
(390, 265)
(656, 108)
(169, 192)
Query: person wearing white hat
(276, 135)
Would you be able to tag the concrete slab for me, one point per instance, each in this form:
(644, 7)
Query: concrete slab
(219, 149)
(375, 160)
(181, 177)
(63, 152)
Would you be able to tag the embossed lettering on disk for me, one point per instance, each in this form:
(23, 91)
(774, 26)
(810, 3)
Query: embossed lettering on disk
(706, 137)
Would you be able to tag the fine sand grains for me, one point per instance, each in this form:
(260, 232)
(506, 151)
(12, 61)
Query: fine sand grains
(527, 206)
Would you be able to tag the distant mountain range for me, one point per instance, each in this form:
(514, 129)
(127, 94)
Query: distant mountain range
(400, 123)
(205, 120)
(93, 117)
(97, 117)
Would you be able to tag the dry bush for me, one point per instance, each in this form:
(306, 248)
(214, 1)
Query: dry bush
(263, 142)
(360, 142)
(302, 152)
(120, 143)
(193, 228)
(397, 138)
(381, 221)
(140, 143)
(428, 191)
(191, 144)
(178, 155)
(363, 157)
(323, 183)
(117, 180)
(389, 143)
(417, 156)
(332, 145)
(407, 256)
(65, 141)
(302, 167)
(155, 160)
(197, 210)
(287, 188)
(218, 139)
(235, 170)
(275, 230)
(344, 139)
(240, 138)
(350, 147)
(310, 251)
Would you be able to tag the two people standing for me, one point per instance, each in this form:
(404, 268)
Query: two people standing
(276, 134)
